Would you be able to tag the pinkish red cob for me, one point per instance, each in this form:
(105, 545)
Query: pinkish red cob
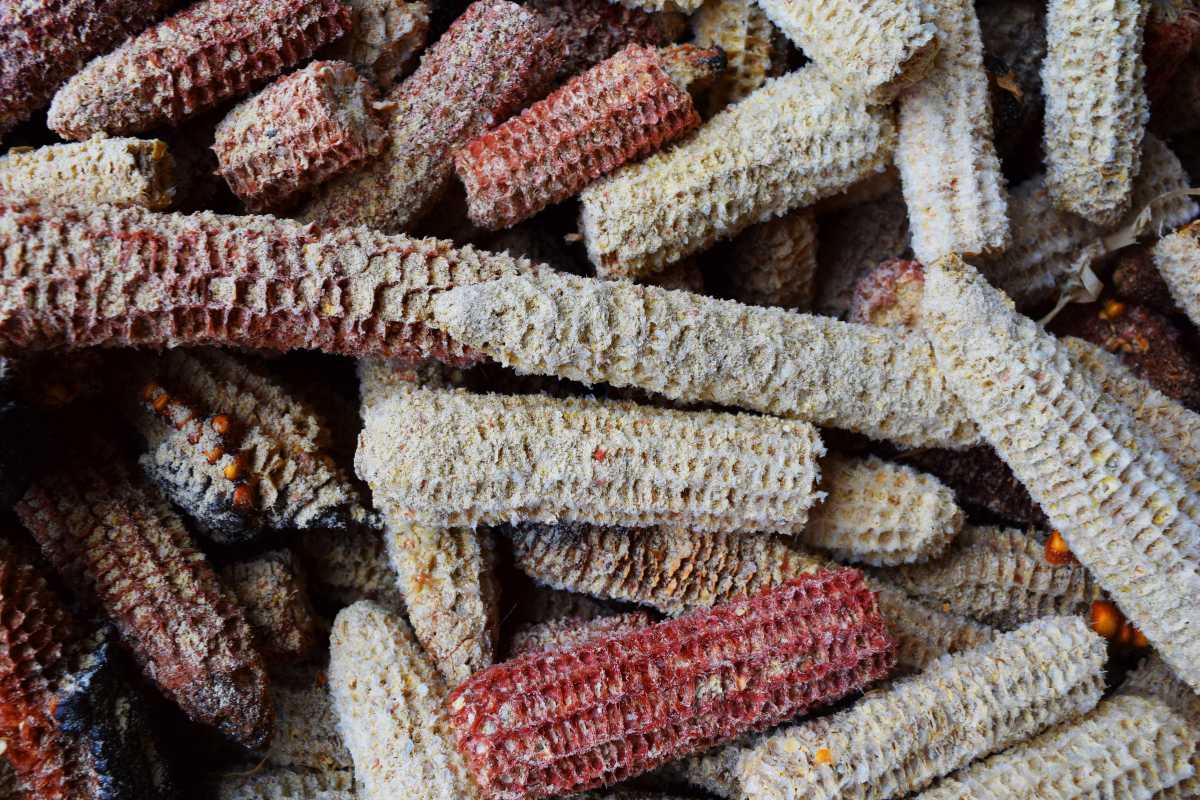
(890, 295)
(592, 30)
(556, 723)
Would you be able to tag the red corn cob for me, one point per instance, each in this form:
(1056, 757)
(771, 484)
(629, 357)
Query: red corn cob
(190, 62)
(548, 724)
(890, 295)
(593, 30)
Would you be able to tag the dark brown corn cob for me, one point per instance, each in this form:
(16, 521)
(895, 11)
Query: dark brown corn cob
(1167, 41)
(548, 724)
(190, 62)
(271, 590)
(80, 277)
(592, 30)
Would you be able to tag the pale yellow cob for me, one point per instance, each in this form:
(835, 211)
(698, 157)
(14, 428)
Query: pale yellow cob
(1154, 679)
(855, 241)
(346, 566)
(1096, 109)
(786, 145)
(385, 37)
(742, 30)
(874, 381)
(951, 176)
(1111, 493)
(1178, 260)
(306, 735)
(277, 783)
(774, 263)
(451, 458)
(99, 170)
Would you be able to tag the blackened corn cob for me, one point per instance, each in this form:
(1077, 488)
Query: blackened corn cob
(590, 31)
(273, 597)
(544, 724)
(346, 566)
(774, 263)
(117, 171)
(384, 39)
(853, 242)
(277, 783)
(754, 49)
(207, 53)
(566, 634)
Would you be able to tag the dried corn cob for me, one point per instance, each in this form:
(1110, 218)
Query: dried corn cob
(391, 713)
(923, 633)
(286, 784)
(948, 164)
(878, 382)
(1178, 260)
(1170, 36)
(774, 263)
(447, 578)
(76, 277)
(300, 131)
(962, 707)
(768, 154)
(385, 37)
(207, 53)
(566, 634)
(442, 458)
(672, 689)
(1015, 33)
(684, 275)
(620, 110)
(494, 59)
(118, 171)
(1096, 109)
(306, 735)
(890, 295)
(752, 46)
(854, 242)
(1112, 494)
(549, 605)
(1175, 114)
(272, 594)
(679, 6)
(121, 547)
(590, 31)
(344, 567)
(1153, 679)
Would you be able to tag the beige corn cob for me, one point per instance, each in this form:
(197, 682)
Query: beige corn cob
(385, 37)
(774, 263)
(1112, 494)
(751, 44)
(562, 634)
(855, 241)
(344, 567)
(771, 153)
(1178, 260)
(878, 382)
(390, 705)
(272, 594)
(306, 735)
(870, 47)
(948, 165)
(285, 784)
(100, 170)
(450, 458)
(900, 739)
(1096, 109)
(924, 633)
(1153, 679)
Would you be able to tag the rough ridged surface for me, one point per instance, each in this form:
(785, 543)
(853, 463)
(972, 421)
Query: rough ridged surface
(117, 171)
(1112, 494)
(190, 62)
(788, 144)
(592, 30)
(874, 381)
(924, 633)
(684, 6)
(1154, 679)
(774, 263)
(566, 634)
(1096, 110)
(81, 277)
(272, 594)
(344, 567)
(890, 295)
(391, 709)
(494, 59)
(1178, 260)
(948, 165)
(385, 37)
(751, 44)
(306, 735)
(854, 242)
(1015, 33)
(286, 784)
(547, 724)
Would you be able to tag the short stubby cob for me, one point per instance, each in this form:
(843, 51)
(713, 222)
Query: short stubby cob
(569, 633)
(547, 723)
(271, 591)
(118, 171)
(1178, 260)
(774, 263)
(753, 48)
(855, 241)
(209, 52)
(590, 31)
(385, 37)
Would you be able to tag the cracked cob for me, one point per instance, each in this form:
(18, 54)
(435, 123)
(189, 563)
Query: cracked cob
(344, 567)
(770, 153)
(774, 263)
(273, 597)
(569, 633)
(1178, 260)
(754, 50)
(671, 690)
(853, 242)
(384, 39)
(592, 30)
(118, 171)
(493, 60)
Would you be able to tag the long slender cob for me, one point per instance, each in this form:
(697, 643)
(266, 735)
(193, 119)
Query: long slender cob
(286, 784)
(751, 43)
(592, 30)
(273, 597)
(1113, 495)
(1153, 679)
(855, 241)
(774, 263)
(384, 39)
(494, 59)
(569, 633)
(344, 567)
(306, 735)
(390, 704)
(1096, 109)
(878, 382)
(771, 153)
(1178, 260)
(669, 690)
(82, 277)
(924, 633)
(118, 171)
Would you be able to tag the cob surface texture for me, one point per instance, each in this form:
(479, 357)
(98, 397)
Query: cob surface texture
(100, 170)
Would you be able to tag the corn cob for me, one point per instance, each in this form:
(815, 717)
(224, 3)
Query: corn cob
(751, 43)
(855, 241)
(76, 277)
(272, 594)
(924, 633)
(1154, 680)
(1169, 38)
(620, 110)
(123, 550)
(552, 605)
(1111, 493)
(344, 567)
(1015, 33)
(874, 48)
(286, 784)
(590, 31)
(384, 39)
(670, 690)
(767, 155)
(118, 171)
(441, 458)
(566, 634)
(684, 6)
(1096, 109)
(774, 263)
(494, 59)
(1176, 113)
(691, 348)
(890, 295)
(447, 578)
(1178, 260)
(306, 735)
(684, 275)
(389, 701)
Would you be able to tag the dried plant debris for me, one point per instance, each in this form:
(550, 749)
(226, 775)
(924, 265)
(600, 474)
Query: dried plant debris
(118, 171)
(385, 38)
(569, 633)
(774, 263)
(590, 31)
(853, 242)
(345, 566)
(272, 594)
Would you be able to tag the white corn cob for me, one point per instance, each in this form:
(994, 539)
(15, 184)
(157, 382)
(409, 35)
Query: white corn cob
(380, 378)
(451, 458)
(306, 735)
(1154, 679)
(385, 37)
(1111, 494)
(855, 241)
(1178, 260)
(346, 566)
(774, 263)
(786, 145)
(99, 170)
(752, 54)
(948, 164)
(390, 705)
(875, 381)
(1096, 109)
(870, 47)
(561, 634)
(287, 784)
(881, 513)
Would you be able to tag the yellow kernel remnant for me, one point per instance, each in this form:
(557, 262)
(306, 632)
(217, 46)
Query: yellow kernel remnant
(233, 470)
(221, 424)
(1112, 309)
(1106, 619)
(823, 756)
(1057, 552)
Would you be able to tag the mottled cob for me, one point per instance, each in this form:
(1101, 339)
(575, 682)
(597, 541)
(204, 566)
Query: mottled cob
(1112, 494)
(384, 39)
(590, 31)
(786, 145)
(494, 59)
(1153, 679)
(1178, 260)
(566, 634)
(753, 48)
(306, 735)
(286, 784)
(890, 295)
(81, 277)
(390, 704)
(853, 242)
(273, 597)
(878, 382)
(118, 171)
(344, 567)
(774, 263)
(543, 724)
(1096, 109)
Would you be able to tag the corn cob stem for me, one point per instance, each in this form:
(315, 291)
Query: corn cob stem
(774, 263)
(272, 594)
(384, 39)
(117, 171)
